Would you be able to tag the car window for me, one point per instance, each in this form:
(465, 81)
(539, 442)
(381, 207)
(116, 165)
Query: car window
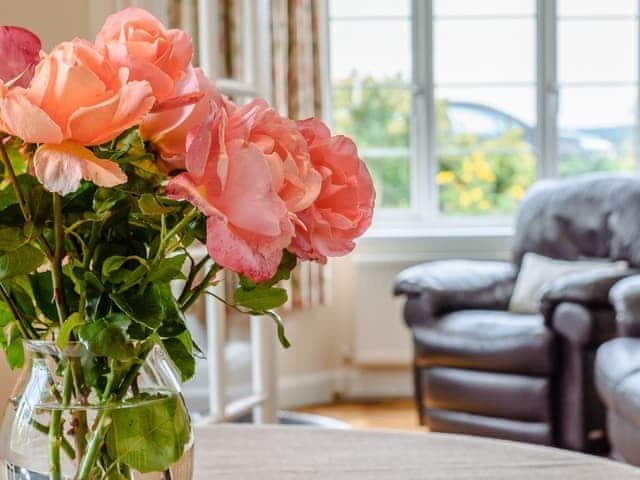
(478, 120)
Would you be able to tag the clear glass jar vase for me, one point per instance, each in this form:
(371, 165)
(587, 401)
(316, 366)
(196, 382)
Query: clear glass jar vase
(78, 416)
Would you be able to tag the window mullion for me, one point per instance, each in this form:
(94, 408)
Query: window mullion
(636, 135)
(547, 88)
(423, 133)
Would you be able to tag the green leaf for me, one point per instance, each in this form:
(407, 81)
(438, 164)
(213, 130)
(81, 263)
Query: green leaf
(94, 291)
(73, 321)
(42, 288)
(144, 308)
(168, 269)
(172, 317)
(112, 264)
(8, 194)
(180, 351)
(15, 351)
(149, 205)
(151, 434)
(260, 299)
(129, 278)
(11, 238)
(107, 337)
(5, 315)
(106, 198)
(22, 261)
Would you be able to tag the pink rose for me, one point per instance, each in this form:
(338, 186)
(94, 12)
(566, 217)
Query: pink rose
(248, 225)
(75, 99)
(343, 210)
(135, 39)
(293, 176)
(168, 129)
(20, 52)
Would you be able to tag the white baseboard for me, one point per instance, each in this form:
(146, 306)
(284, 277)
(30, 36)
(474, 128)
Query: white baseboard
(361, 383)
(309, 389)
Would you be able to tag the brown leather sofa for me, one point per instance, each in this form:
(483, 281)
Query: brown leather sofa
(480, 369)
(618, 373)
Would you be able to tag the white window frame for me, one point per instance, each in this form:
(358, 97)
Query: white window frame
(423, 215)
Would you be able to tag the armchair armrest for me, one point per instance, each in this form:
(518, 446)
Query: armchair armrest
(449, 285)
(625, 297)
(584, 288)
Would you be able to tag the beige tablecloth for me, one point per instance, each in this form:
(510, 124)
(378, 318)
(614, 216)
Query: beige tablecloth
(283, 453)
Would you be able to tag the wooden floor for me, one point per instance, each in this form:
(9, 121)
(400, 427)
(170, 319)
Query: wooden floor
(385, 414)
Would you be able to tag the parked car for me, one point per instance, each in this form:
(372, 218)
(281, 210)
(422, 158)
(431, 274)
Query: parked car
(488, 122)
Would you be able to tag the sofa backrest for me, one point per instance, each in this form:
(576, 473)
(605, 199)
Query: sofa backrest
(595, 216)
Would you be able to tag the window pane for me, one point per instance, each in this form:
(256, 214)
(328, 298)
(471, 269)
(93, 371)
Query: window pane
(597, 50)
(374, 114)
(597, 7)
(484, 7)
(471, 51)
(371, 48)
(486, 145)
(371, 77)
(391, 178)
(596, 129)
(369, 8)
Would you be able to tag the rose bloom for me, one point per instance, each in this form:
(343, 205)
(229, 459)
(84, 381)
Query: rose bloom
(135, 39)
(76, 99)
(293, 176)
(248, 224)
(167, 130)
(20, 52)
(344, 209)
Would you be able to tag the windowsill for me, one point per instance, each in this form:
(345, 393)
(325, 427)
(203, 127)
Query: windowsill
(393, 232)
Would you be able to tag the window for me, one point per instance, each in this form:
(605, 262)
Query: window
(371, 85)
(459, 105)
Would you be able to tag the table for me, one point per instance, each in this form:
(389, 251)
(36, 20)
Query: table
(246, 452)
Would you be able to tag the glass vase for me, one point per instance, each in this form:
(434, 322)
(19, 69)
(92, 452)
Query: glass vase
(75, 415)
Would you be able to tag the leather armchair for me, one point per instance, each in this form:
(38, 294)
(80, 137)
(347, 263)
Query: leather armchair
(618, 373)
(480, 369)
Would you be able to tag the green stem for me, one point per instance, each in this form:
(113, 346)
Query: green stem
(178, 228)
(55, 428)
(26, 330)
(8, 168)
(191, 278)
(199, 290)
(24, 205)
(66, 446)
(103, 420)
(56, 266)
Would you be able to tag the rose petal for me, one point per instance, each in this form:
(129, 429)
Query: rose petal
(23, 119)
(60, 167)
(105, 121)
(255, 256)
(20, 52)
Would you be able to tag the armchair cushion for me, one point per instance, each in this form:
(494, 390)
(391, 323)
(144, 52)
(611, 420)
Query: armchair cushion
(450, 285)
(486, 340)
(538, 271)
(625, 297)
(589, 288)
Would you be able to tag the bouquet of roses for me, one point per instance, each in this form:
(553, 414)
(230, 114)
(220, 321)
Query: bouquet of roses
(116, 157)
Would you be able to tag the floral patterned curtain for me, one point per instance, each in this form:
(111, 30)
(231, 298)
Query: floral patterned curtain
(297, 92)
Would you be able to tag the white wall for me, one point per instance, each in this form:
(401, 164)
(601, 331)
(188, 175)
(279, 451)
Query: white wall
(52, 20)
